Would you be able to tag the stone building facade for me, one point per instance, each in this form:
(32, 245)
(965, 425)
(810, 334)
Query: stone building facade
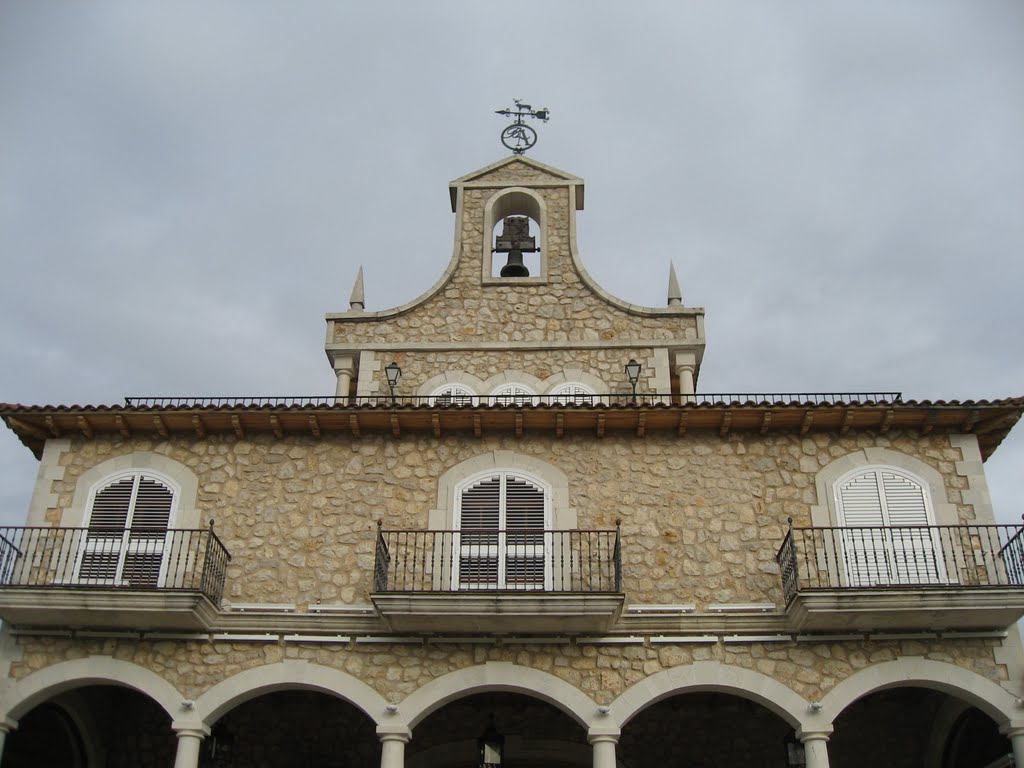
(518, 517)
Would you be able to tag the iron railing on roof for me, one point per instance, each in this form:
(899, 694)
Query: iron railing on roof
(939, 556)
(520, 401)
(489, 559)
(147, 559)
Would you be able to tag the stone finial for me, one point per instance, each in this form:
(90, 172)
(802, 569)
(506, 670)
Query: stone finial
(357, 301)
(675, 296)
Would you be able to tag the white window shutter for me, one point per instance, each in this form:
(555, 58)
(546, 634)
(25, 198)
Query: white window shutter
(127, 531)
(501, 537)
(478, 548)
(891, 543)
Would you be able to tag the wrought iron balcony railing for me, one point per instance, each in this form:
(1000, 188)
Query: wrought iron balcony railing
(475, 401)
(941, 556)
(148, 559)
(488, 559)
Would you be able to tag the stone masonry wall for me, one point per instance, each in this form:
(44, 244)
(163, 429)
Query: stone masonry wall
(702, 517)
(601, 671)
(604, 364)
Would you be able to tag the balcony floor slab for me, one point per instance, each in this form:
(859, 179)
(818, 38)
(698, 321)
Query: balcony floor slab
(499, 613)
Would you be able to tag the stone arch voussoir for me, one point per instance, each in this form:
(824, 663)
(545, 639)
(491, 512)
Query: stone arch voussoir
(44, 684)
(710, 676)
(989, 697)
(291, 675)
(498, 676)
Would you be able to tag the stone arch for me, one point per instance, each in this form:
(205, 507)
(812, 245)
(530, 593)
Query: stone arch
(434, 383)
(563, 516)
(46, 683)
(576, 376)
(498, 676)
(980, 692)
(825, 513)
(292, 675)
(512, 377)
(515, 201)
(183, 479)
(710, 676)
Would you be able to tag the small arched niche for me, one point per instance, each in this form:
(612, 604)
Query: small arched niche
(515, 232)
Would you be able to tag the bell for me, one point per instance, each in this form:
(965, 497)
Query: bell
(514, 267)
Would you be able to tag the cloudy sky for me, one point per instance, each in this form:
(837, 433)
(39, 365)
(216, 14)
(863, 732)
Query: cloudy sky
(186, 188)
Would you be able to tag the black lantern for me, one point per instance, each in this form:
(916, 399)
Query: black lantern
(491, 747)
(394, 373)
(633, 372)
(795, 755)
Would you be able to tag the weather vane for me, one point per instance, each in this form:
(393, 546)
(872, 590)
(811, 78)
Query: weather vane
(519, 137)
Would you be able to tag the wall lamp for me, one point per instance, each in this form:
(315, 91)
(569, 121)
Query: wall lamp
(394, 373)
(633, 373)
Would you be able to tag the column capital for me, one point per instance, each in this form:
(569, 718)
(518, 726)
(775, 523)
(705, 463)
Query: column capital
(190, 728)
(603, 738)
(394, 733)
(7, 725)
(819, 734)
(1012, 728)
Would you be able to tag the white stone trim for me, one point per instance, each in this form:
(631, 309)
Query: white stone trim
(575, 376)
(366, 383)
(976, 494)
(498, 676)
(181, 479)
(711, 676)
(563, 517)
(50, 469)
(293, 675)
(826, 513)
(435, 384)
(21, 696)
(522, 378)
(916, 671)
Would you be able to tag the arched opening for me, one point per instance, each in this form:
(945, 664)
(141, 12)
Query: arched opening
(904, 728)
(515, 246)
(705, 729)
(95, 726)
(292, 729)
(515, 243)
(533, 733)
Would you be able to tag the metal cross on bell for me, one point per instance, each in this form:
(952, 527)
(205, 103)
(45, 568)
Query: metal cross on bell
(515, 239)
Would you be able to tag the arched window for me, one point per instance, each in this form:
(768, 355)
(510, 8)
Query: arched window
(573, 393)
(890, 542)
(513, 394)
(126, 531)
(453, 394)
(501, 519)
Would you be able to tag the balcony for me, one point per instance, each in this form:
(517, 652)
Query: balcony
(493, 581)
(962, 577)
(103, 578)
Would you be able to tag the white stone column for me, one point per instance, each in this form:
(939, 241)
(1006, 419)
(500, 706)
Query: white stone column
(1015, 733)
(6, 726)
(190, 742)
(815, 747)
(604, 750)
(392, 749)
(344, 368)
(686, 364)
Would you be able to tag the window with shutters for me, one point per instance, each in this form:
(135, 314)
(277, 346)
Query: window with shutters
(573, 393)
(513, 394)
(453, 394)
(126, 531)
(888, 512)
(502, 539)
